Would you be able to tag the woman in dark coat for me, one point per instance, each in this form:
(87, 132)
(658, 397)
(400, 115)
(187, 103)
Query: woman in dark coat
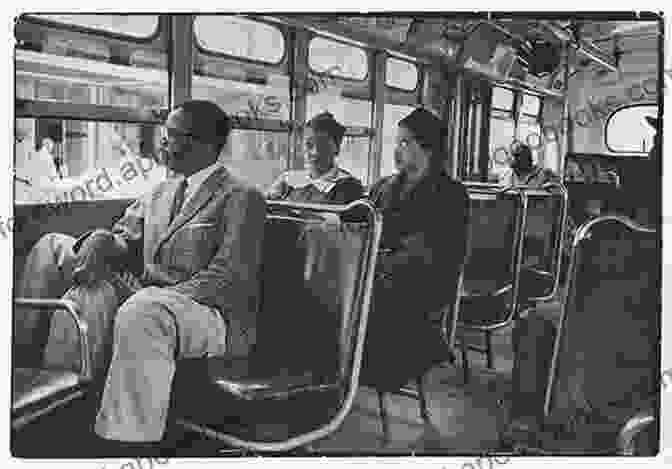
(425, 216)
(323, 181)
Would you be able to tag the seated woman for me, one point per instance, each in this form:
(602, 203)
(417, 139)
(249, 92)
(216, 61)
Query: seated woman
(323, 181)
(425, 217)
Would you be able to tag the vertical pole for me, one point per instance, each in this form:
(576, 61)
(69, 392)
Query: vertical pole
(180, 53)
(456, 140)
(378, 93)
(484, 140)
(567, 124)
(298, 84)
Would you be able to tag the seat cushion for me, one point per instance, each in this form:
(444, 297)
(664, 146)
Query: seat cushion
(252, 401)
(250, 379)
(31, 386)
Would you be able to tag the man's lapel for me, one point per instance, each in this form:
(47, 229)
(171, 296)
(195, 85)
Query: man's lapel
(216, 182)
(160, 213)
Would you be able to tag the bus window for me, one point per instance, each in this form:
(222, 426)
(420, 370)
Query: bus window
(255, 96)
(134, 26)
(502, 99)
(531, 105)
(349, 112)
(627, 131)
(528, 132)
(70, 160)
(392, 114)
(93, 69)
(256, 156)
(337, 59)
(502, 134)
(245, 100)
(401, 74)
(334, 61)
(239, 37)
(505, 130)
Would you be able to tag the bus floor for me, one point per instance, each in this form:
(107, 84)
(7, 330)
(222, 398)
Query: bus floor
(463, 419)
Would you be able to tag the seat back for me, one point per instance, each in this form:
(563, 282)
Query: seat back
(543, 241)
(496, 223)
(317, 269)
(605, 358)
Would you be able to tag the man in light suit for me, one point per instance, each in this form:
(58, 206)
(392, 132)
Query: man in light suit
(200, 234)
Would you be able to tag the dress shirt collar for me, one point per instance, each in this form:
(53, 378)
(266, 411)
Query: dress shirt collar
(195, 180)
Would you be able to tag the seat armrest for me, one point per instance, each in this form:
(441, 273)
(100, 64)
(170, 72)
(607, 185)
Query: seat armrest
(47, 306)
(632, 428)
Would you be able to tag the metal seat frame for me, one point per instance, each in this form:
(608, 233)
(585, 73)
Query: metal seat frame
(21, 419)
(489, 192)
(625, 444)
(299, 211)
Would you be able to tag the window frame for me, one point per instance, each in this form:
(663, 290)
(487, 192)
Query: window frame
(536, 116)
(41, 108)
(29, 18)
(358, 81)
(512, 110)
(418, 72)
(207, 52)
(516, 116)
(617, 154)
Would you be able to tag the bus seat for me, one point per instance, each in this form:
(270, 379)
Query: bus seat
(488, 299)
(39, 391)
(545, 227)
(604, 367)
(299, 382)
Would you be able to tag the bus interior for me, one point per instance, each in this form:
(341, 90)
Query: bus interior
(583, 91)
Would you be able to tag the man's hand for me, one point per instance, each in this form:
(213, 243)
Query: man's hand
(95, 258)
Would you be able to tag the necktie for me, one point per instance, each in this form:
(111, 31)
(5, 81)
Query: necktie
(179, 199)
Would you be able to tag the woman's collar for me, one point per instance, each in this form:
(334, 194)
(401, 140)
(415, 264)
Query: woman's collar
(323, 183)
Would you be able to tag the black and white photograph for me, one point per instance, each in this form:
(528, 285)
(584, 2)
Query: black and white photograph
(341, 234)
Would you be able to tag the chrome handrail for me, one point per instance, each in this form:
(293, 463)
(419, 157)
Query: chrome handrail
(71, 309)
(362, 301)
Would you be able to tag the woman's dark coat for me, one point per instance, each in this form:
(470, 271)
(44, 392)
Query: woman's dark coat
(422, 250)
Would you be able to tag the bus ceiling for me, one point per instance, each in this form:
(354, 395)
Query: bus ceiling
(443, 40)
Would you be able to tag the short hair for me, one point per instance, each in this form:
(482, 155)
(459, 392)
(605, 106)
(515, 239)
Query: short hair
(429, 131)
(325, 122)
(210, 123)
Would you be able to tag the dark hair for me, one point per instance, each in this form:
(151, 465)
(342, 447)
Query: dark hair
(209, 123)
(325, 122)
(430, 133)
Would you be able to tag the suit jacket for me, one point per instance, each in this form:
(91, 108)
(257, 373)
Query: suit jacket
(210, 252)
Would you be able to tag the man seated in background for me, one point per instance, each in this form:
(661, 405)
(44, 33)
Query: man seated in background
(200, 234)
(323, 181)
(524, 172)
